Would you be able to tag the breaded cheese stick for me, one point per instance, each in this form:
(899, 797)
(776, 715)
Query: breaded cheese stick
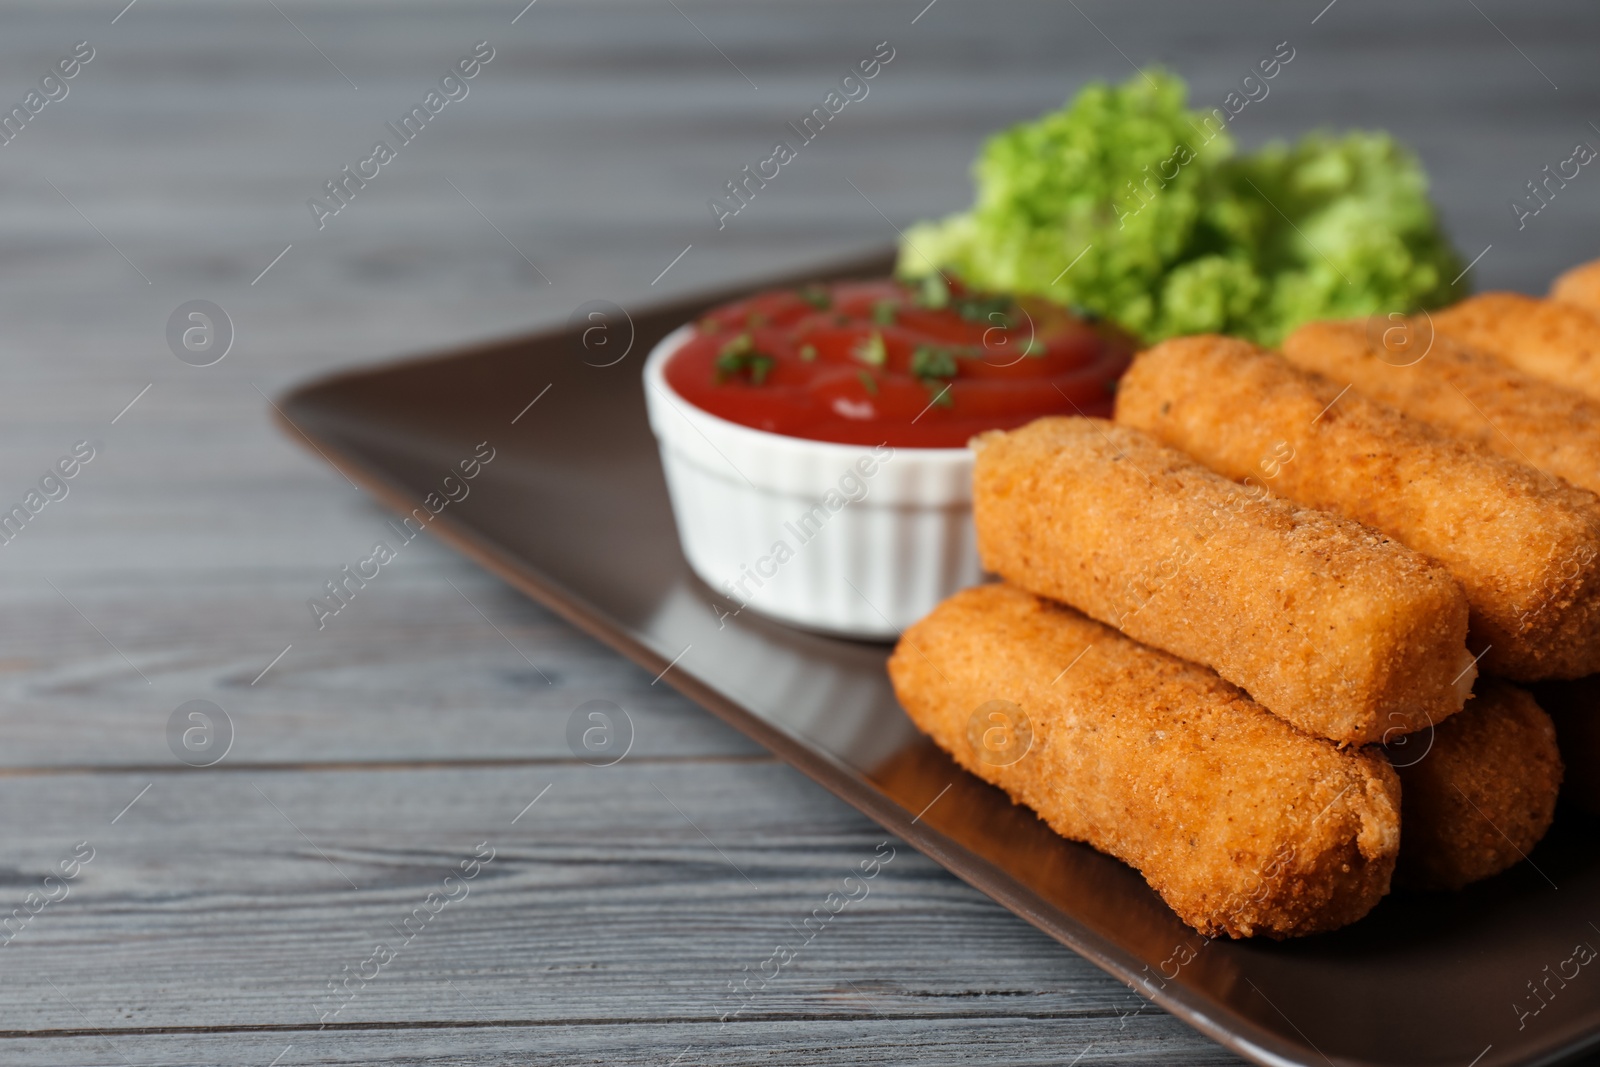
(1579, 287)
(1333, 626)
(1477, 792)
(1524, 547)
(1243, 824)
(1462, 391)
(1548, 339)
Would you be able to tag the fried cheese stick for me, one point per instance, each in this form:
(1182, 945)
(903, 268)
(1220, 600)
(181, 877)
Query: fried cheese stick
(1462, 391)
(1477, 792)
(1243, 824)
(1524, 547)
(1580, 287)
(1549, 339)
(1343, 632)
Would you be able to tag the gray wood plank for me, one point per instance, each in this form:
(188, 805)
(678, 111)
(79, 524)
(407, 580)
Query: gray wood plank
(233, 898)
(410, 671)
(607, 928)
(1040, 1041)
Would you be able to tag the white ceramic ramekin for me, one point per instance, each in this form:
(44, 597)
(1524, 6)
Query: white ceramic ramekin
(848, 539)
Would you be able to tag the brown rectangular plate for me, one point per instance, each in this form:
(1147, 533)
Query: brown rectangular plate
(573, 512)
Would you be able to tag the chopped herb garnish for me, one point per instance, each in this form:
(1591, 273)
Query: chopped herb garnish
(755, 364)
(883, 312)
(868, 382)
(995, 310)
(941, 397)
(1034, 347)
(816, 296)
(740, 355)
(872, 350)
(933, 293)
(1080, 312)
(808, 352)
(930, 362)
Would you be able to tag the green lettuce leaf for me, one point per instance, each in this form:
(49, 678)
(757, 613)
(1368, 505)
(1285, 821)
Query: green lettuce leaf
(1130, 205)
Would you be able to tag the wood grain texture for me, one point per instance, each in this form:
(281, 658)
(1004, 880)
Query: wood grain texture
(422, 719)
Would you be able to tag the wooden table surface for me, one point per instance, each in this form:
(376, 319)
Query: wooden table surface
(224, 906)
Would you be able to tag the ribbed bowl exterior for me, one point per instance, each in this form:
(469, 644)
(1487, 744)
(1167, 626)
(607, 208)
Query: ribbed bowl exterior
(854, 540)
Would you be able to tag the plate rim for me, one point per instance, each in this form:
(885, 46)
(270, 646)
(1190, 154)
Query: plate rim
(1237, 1033)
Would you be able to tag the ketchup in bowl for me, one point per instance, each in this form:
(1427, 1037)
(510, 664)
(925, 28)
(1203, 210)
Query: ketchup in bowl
(880, 361)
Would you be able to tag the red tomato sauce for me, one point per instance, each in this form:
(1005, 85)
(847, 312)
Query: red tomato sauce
(881, 362)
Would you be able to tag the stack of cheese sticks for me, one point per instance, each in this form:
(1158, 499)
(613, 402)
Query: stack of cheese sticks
(1257, 637)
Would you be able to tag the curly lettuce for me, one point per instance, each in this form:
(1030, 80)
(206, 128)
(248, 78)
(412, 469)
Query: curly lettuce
(1127, 204)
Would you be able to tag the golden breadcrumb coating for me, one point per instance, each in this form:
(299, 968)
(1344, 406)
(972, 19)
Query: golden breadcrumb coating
(1464, 392)
(1243, 824)
(1333, 626)
(1549, 339)
(1478, 792)
(1524, 547)
(1580, 287)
